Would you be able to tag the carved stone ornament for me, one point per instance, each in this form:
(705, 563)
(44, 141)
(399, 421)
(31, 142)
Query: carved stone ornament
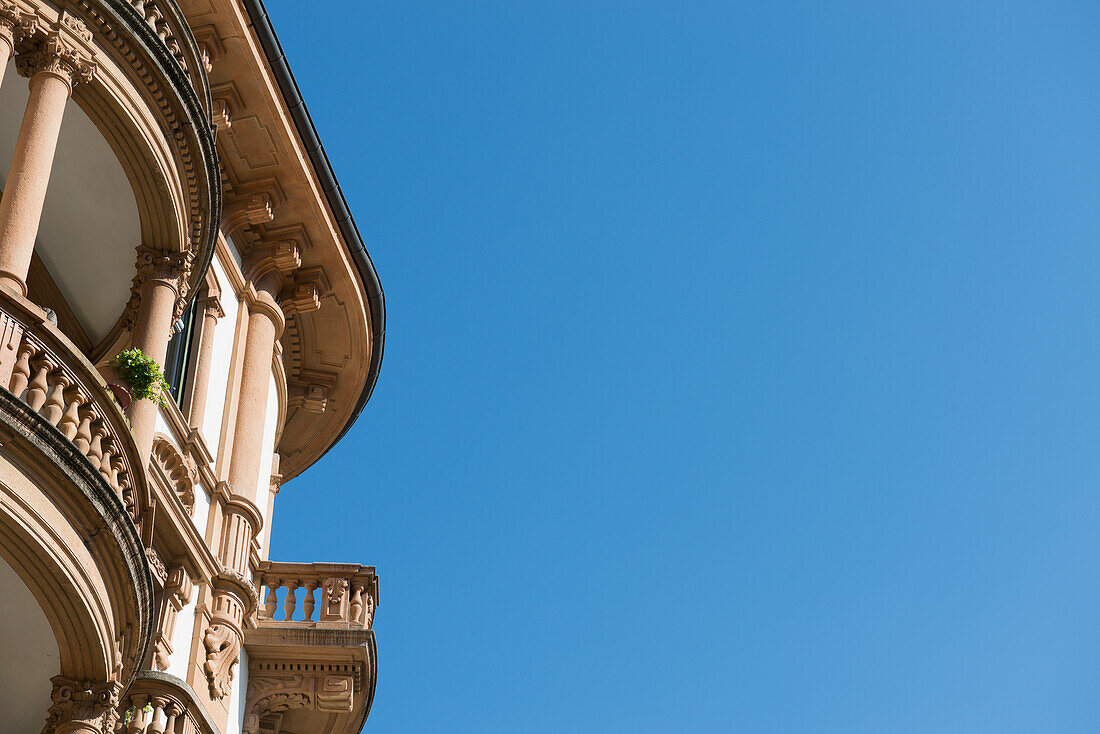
(268, 695)
(173, 267)
(56, 56)
(14, 24)
(155, 564)
(92, 704)
(76, 26)
(179, 470)
(223, 648)
(335, 589)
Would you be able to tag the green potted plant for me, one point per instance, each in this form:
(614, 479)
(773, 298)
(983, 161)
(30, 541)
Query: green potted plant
(132, 375)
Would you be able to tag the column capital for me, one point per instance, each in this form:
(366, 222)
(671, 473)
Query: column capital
(153, 264)
(87, 704)
(15, 24)
(266, 304)
(212, 307)
(58, 58)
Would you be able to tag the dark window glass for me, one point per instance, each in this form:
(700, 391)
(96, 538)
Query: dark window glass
(179, 351)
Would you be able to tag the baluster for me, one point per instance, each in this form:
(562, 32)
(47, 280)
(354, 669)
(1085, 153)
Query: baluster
(126, 492)
(105, 469)
(95, 450)
(55, 401)
(138, 720)
(309, 601)
(118, 471)
(156, 722)
(70, 419)
(172, 710)
(36, 391)
(356, 602)
(290, 601)
(272, 599)
(83, 440)
(139, 5)
(21, 372)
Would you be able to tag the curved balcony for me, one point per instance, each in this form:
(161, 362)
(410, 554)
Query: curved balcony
(159, 703)
(51, 377)
(79, 593)
(134, 164)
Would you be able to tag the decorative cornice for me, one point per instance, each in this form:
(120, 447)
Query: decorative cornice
(300, 297)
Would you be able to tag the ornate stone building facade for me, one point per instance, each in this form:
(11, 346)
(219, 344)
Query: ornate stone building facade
(167, 191)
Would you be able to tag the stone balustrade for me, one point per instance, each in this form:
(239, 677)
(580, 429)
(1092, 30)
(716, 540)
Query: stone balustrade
(46, 371)
(317, 594)
(159, 703)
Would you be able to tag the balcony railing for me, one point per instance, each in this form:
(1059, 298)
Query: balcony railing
(54, 379)
(159, 703)
(348, 594)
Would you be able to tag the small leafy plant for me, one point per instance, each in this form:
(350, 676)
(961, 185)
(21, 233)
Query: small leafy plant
(144, 376)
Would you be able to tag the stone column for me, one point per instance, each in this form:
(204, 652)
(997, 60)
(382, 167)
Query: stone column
(241, 520)
(157, 284)
(82, 707)
(53, 69)
(265, 324)
(212, 311)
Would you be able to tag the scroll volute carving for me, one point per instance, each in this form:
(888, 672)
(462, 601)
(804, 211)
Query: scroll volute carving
(272, 695)
(223, 649)
(179, 470)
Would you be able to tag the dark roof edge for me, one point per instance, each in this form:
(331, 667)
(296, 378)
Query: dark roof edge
(376, 300)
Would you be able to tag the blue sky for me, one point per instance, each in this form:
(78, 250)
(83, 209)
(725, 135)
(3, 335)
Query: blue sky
(742, 370)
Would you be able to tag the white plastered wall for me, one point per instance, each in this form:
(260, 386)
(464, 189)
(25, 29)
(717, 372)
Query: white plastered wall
(221, 361)
(263, 482)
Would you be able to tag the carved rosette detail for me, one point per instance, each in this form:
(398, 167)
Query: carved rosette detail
(84, 702)
(223, 648)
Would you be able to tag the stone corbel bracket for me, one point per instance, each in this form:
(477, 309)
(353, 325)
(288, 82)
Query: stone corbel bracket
(311, 391)
(235, 600)
(322, 690)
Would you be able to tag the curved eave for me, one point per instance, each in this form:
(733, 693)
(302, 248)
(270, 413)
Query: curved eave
(376, 301)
